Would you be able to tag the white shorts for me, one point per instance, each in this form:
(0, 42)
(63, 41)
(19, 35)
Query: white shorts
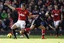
(20, 24)
(56, 23)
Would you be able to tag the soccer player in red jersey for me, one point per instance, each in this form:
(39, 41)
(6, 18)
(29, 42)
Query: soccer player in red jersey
(56, 14)
(22, 15)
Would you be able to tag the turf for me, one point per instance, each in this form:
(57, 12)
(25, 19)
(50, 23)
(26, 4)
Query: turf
(36, 37)
(33, 39)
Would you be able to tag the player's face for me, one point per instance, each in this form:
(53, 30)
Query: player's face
(23, 8)
(56, 7)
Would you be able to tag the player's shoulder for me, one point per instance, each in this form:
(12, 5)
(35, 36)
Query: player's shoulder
(26, 10)
(53, 10)
(59, 10)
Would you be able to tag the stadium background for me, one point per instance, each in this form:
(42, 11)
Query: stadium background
(8, 17)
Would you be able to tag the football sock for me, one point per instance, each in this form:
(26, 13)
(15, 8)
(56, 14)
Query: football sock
(43, 33)
(26, 35)
(57, 30)
(14, 33)
(27, 30)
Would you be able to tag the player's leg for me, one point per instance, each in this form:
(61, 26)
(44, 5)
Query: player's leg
(39, 25)
(56, 23)
(28, 29)
(22, 27)
(23, 32)
(57, 31)
(13, 30)
(16, 25)
(26, 34)
(43, 30)
(31, 27)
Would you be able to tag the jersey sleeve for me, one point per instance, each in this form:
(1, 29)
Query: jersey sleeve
(27, 13)
(52, 12)
(17, 9)
(60, 11)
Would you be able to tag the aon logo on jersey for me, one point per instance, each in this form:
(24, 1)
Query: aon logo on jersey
(22, 15)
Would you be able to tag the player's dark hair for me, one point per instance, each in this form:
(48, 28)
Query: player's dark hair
(23, 4)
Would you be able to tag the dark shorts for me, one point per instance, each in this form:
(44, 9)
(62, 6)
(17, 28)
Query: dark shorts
(37, 22)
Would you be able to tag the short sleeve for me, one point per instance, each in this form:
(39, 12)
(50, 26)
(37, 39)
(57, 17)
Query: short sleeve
(27, 13)
(60, 11)
(17, 9)
(52, 12)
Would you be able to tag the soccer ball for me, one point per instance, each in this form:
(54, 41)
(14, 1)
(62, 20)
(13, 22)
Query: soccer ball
(9, 35)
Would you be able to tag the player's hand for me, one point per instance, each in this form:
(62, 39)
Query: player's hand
(46, 14)
(54, 29)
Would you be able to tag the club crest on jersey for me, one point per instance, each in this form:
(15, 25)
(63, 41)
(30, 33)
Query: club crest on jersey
(22, 15)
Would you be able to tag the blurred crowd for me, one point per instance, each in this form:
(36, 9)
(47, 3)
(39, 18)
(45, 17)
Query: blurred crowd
(8, 16)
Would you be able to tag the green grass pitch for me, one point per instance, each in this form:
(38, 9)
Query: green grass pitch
(33, 39)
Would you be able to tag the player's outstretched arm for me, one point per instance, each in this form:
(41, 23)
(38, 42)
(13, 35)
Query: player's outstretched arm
(9, 6)
(32, 16)
(47, 14)
(51, 27)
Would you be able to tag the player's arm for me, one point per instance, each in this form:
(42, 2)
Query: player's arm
(51, 27)
(52, 14)
(32, 16)
(61, 15)
(47, 14)
(13, 8)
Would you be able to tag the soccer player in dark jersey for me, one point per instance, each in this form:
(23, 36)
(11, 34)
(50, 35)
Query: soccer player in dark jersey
(37, 23)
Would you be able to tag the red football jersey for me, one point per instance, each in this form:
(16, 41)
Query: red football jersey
(56, 14)
(22, 14)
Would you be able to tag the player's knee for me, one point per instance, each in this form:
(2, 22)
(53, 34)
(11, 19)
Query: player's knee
(21, 32)
(13, 27)
(42, 27)
(32, 27)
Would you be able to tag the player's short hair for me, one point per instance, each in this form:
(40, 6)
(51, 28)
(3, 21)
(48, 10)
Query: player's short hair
(23, 4)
